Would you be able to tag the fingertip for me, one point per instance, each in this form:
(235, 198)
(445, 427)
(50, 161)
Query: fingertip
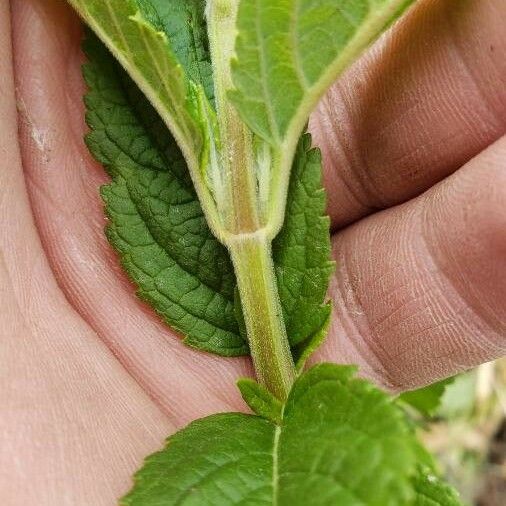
(464, 226)
(420, 290)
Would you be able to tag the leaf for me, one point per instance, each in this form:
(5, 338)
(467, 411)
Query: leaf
(432, 491)
(340, 441)
(157, 225)
(302, 351)
(290, 51)
(260, 400)
(155, 220)
(143, 49)
(301, 251)
(427, 400)
(184, 23)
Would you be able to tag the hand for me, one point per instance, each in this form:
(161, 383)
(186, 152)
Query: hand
(414, 151)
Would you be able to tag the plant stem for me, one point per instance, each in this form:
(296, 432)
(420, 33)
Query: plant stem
(240, 209)
(254, 268)
(236, 153)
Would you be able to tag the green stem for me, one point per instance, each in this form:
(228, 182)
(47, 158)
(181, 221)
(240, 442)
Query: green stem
(240, 207)
(236, 153)
(254, 268)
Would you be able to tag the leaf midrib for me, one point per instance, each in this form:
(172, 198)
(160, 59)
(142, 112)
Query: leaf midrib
(275, 464)
(359, 40)
(265, 91)
(185, 144)
(218, 468)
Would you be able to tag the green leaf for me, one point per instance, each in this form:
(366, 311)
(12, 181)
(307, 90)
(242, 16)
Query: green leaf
(432, 491)
(290, 51)
(184, 23)
(340, 441)
(135, 33)
(143, 49)
(155, 220)
(260, 400)
(301, 251)
(157, 225)
(302, 351)
(427, 400)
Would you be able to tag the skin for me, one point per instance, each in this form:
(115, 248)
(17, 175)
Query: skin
(414, 152)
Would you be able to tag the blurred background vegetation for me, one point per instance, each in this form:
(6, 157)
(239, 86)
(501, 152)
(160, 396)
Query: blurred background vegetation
(463, 422)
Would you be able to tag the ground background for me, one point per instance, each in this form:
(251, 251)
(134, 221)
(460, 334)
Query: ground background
(468, 434)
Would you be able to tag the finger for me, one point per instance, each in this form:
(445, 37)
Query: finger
(74, 425)
(427, 98)
(63, 183)
(420, 291)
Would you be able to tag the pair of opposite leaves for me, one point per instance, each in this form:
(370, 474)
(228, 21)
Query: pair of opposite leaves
(337, 439)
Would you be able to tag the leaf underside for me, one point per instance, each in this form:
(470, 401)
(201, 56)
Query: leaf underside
(134, 32)
(156, 222)
(340, 441)
(289, 52)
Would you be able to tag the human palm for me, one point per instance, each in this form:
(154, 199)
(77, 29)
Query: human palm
(414, 153)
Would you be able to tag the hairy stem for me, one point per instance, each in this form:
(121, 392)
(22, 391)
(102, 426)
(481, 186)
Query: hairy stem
(241, 207)
(254, 268)
(237, 161)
